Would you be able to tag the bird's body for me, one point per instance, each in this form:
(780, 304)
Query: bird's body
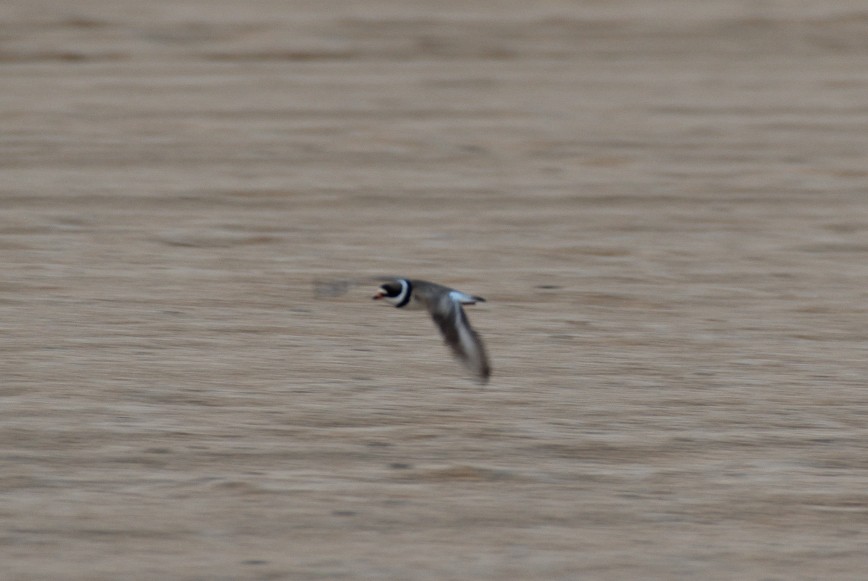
(444, 304)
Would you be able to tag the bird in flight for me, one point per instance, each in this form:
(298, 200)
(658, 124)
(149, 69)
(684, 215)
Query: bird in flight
(446, 307)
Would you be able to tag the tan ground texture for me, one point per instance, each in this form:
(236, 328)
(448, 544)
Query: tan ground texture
(664, 201)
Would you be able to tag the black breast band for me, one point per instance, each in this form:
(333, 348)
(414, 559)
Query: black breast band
(409, 290)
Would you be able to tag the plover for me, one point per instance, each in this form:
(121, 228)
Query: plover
(444, 304)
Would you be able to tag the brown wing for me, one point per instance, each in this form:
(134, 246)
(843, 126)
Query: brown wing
(462, 339)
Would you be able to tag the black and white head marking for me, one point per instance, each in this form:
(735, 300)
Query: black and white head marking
(398, 293)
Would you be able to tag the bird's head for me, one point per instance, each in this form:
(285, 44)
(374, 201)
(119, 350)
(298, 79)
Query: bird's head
(395, 293)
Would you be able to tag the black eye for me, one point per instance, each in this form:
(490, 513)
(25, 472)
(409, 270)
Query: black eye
(391, 290)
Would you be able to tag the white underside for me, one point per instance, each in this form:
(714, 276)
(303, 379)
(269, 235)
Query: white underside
(460, 297)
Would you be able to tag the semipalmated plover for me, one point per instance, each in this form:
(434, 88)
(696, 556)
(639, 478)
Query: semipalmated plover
(444, 304)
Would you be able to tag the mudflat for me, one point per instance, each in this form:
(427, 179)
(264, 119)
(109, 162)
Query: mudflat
(665, 203)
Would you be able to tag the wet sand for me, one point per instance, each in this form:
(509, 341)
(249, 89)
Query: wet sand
(665, 204)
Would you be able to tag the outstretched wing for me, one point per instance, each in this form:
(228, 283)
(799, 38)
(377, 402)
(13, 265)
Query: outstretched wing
(462, 339)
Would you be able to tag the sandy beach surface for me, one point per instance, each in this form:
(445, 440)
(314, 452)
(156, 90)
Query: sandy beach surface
(665, 203)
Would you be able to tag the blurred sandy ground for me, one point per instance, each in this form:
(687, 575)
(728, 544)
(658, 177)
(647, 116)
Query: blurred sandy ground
(664, 202)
